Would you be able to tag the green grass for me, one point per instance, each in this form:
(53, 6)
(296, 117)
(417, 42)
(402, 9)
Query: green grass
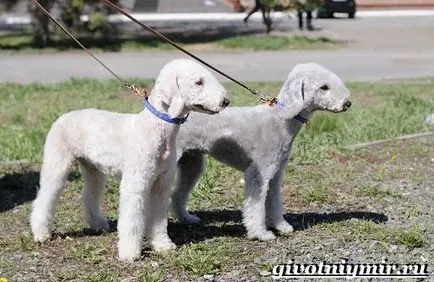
(27, 111)
(203, 258)
(364, 230)
(89, 253)
(412, 238)
(322, 172)
(314, 194)
(23, 43)
(375, 191)
(27, 243)
(274, 42)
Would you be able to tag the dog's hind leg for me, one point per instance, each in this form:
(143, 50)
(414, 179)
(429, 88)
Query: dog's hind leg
(254, 207)
(94, 186)
(274, 207)
(190, 168)
(57, 160)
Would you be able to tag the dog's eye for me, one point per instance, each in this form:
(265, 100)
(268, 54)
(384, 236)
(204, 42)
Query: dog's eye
(325, 87)
(199, 82)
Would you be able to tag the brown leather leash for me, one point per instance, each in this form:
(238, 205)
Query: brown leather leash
(263, 98)
(139, 92)
(144, 93)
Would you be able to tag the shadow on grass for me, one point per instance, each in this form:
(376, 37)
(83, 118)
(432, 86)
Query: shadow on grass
(232, 227)
(299, 221)
(230, 224)
(86, 232)
(24, 41)
(306, 220)
(110, 45)
(20, 186)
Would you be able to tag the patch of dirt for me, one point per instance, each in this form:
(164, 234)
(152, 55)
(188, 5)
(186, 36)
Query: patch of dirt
(374, 198)
(367, 99)
(5, 119)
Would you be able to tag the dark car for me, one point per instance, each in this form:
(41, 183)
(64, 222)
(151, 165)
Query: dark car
(329, 7)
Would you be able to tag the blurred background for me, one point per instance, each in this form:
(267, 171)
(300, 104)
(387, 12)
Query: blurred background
(91, 18)
(364, 32)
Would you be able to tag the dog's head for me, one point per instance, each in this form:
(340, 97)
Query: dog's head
(314, 87)
(191, 85)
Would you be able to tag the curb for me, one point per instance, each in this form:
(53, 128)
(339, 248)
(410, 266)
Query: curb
(396, 6)
(394, 13)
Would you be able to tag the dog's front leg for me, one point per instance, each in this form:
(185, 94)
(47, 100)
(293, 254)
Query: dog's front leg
(274, 206)
(133, 204)
(156, 225)
(254, 206)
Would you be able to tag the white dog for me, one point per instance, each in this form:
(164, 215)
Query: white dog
(257, 141)
(140, 146)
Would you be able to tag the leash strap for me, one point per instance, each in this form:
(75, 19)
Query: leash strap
(143, 93)
(139, 92)
(145, 26)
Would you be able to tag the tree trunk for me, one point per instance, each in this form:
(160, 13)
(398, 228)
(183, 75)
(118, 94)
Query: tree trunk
(41, 22)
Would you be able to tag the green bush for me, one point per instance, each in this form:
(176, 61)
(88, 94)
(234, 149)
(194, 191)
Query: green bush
(70, 13)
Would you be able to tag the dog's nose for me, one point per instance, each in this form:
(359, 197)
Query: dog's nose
(226, 102)
(347, 105)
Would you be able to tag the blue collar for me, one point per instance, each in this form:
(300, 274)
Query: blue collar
(296, 117)
(164, 116)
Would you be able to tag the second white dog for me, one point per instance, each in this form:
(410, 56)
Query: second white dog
(140, 146)
(257, 141)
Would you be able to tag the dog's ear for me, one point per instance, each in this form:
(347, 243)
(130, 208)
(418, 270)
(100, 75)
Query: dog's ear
(306, 89)
(168, 89)
(170, 93)
(297, 90)
(300, 89)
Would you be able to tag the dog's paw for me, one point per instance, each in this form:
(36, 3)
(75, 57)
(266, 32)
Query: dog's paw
(129, 252)
(163, 246)
(99, 224)
(190, 219)
(284, 227)
(262, 236)
(128, 257)
(41, 234)
(129, 248)
(40, 238)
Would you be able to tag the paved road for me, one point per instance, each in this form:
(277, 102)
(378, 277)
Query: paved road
(380, 48)
(262, 66)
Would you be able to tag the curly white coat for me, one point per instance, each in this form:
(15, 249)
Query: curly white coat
(139, 146)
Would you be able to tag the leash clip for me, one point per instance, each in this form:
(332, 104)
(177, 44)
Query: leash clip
(264, 98)
(142, 93)
(267, 100)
